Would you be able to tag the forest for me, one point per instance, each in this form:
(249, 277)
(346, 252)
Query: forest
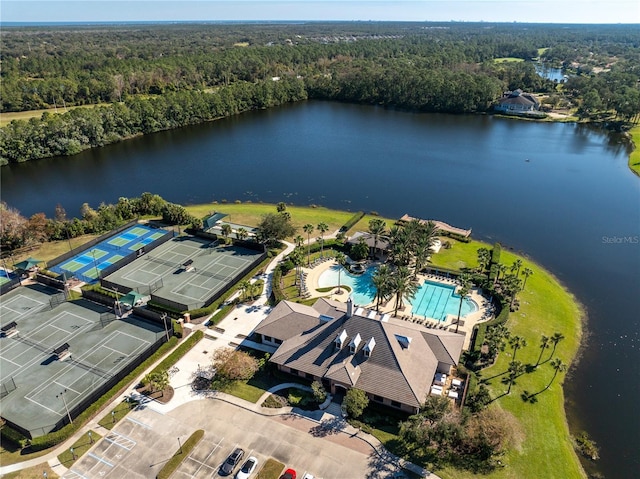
(137, 79)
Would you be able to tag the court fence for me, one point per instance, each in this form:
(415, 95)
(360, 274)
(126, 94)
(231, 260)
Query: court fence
(94, 395)
(225, 287)
(130, 258)
(49, 281)
(249, 244)
(10, 285)
(86, 246)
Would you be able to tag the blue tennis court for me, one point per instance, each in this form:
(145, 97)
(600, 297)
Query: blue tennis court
(87, 265)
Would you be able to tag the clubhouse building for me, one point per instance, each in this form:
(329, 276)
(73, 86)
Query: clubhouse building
(394, 361)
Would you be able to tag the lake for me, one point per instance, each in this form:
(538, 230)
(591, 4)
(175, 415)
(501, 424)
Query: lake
(562, 193)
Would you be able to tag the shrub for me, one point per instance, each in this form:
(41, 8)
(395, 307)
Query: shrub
(319, 392)
(352, 221)
(495, 253)
(275, 401)
(355, 401)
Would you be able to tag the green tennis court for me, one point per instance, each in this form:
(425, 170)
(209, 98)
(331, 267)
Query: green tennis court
(102, 350)
(185, 272)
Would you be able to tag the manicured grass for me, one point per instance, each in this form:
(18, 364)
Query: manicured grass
(507, 59)
(270, 470)
(121, 410)
(34, 472)
(634, 157)
(11, 454)
(251, 214)
(180, 455)
(243, 390)
(8, 117)
(460, 255)
(49, 251)
(363, 224)
(81, 446)
(545, 308)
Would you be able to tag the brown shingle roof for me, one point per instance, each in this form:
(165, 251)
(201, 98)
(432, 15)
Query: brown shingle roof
(393, 371)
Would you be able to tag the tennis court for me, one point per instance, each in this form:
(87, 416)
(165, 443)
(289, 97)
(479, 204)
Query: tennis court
(88, 264)
(40, 387)
(185, 272)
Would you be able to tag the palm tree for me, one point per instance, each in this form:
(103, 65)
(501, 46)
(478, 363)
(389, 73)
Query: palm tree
(484, 258)
(226, 231)
(516, 368)
(526, 273)
(376, 228)
(281, 207)
(555, 339)
(558, 367)
(340, 259)
(515, 267)
(297, 258)
(244, 286)
(298, 240)
(242, 234)
(404, 287)
(544, 344)
(517, 342)
(463, 292)
(308, 228)
(382, 281)
(322, 227)
(421, 253)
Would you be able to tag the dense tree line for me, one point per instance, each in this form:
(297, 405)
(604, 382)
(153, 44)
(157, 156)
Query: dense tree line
(156, 77)
(82, 128)
(16, 231)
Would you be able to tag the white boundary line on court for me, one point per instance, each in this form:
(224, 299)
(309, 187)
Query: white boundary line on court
(54, 379)
(14, 299)
(41, 343)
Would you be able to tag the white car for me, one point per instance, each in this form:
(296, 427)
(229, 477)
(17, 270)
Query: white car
(307, 476)
(247, 468)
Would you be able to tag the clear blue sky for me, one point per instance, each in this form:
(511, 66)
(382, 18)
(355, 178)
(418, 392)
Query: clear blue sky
(537, 11)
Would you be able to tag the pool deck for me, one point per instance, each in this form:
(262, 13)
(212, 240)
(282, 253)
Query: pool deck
(484, 313)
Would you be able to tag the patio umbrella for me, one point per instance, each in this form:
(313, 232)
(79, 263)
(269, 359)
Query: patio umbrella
(131, 298)
(28, 263)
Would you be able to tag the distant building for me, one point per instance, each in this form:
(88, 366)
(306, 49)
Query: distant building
(517, 101)
(394, 361)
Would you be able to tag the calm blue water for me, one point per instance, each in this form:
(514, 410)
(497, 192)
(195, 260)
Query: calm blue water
(433, 300)
(436, 301)
(554, 74)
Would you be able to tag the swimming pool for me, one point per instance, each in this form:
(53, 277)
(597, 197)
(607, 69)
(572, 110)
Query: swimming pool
(433, 300)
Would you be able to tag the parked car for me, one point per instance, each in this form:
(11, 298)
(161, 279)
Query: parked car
(288, 474)
(247, 468)
(232, 461)
(308, 476)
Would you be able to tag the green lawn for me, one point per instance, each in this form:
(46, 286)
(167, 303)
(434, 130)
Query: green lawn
(180, 455)
(546, 308)
(270, 470)
(507, 59)
(115, 415)
(634, 157)
(79, 447)
(251, 213)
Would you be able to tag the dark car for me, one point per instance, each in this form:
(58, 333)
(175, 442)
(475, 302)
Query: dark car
(289, 474)
(232, 461)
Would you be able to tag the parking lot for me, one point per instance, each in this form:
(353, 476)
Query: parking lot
(142, 442)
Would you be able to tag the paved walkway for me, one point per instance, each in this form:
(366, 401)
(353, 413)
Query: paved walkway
(233, 330)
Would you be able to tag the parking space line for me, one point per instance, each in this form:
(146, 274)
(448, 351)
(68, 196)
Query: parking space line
(203, 463)
(98, 458)
(146, 426)
(71, 474)
(115, 438)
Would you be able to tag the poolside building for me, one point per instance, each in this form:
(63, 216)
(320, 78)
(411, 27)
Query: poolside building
(343, 347)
